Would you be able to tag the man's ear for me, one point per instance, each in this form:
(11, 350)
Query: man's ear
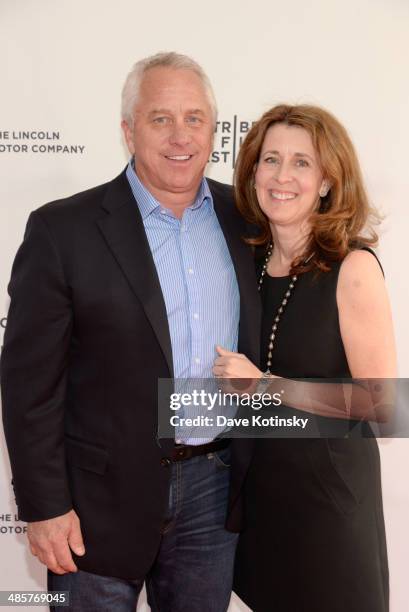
(128, 134)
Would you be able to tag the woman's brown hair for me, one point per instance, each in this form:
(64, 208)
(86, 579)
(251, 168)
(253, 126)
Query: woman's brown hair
(344, 213)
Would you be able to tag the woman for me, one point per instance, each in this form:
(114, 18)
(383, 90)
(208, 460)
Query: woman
(314, 537)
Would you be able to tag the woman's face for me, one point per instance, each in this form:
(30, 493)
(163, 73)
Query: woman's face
(288, 176)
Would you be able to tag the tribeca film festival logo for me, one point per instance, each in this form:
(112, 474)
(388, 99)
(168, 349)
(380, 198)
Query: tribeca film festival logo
(228, 137)
(36, 141)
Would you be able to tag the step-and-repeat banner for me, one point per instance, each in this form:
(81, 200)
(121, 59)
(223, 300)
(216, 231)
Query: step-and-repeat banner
(62, 68)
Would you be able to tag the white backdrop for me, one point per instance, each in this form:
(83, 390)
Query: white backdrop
(62, 68)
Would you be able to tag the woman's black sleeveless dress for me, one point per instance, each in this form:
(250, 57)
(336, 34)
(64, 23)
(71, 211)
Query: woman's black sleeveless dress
(314, 537)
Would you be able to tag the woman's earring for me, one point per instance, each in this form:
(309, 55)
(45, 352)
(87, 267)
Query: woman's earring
(325, 187)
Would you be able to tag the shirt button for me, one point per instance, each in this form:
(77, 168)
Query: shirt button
(195, 315)
(190, 270)
(197, 360)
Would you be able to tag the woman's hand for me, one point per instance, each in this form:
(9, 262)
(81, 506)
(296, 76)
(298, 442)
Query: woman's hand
(234, 365)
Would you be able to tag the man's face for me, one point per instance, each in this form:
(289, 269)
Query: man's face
(172, 133)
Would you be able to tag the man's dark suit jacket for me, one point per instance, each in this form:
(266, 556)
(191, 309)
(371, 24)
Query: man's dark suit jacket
(87, 339)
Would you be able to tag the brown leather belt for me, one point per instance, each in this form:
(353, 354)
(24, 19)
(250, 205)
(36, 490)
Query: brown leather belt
(182, 451)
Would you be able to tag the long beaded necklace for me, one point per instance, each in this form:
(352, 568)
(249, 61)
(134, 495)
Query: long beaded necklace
(281, 308)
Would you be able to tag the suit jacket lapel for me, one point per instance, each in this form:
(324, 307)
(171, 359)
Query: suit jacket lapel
(125, 235)
(123, 230)
(233, 228)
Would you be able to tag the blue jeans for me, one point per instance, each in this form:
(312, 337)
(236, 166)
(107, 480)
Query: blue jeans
(193, 569)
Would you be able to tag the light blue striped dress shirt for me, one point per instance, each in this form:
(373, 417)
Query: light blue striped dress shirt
(198, 283)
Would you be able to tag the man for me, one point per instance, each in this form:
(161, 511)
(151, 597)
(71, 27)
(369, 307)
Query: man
(113, 288)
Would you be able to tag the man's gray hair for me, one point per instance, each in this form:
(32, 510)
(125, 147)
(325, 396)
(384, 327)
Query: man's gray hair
(130, 91)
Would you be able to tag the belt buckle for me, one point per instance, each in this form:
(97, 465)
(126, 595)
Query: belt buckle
(180, 453)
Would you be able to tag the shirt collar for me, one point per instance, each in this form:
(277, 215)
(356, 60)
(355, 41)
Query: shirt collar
(148, 204)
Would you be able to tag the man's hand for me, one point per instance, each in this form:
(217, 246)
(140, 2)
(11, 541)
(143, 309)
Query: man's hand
(51, 541)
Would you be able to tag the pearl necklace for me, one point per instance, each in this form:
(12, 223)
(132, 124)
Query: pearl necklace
(280, 310)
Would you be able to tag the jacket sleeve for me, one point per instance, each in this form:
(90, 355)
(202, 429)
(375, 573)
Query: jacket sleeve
(34, 374)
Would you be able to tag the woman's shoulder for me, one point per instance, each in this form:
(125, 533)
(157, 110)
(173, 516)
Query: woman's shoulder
(360, 280)
(360, 264)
